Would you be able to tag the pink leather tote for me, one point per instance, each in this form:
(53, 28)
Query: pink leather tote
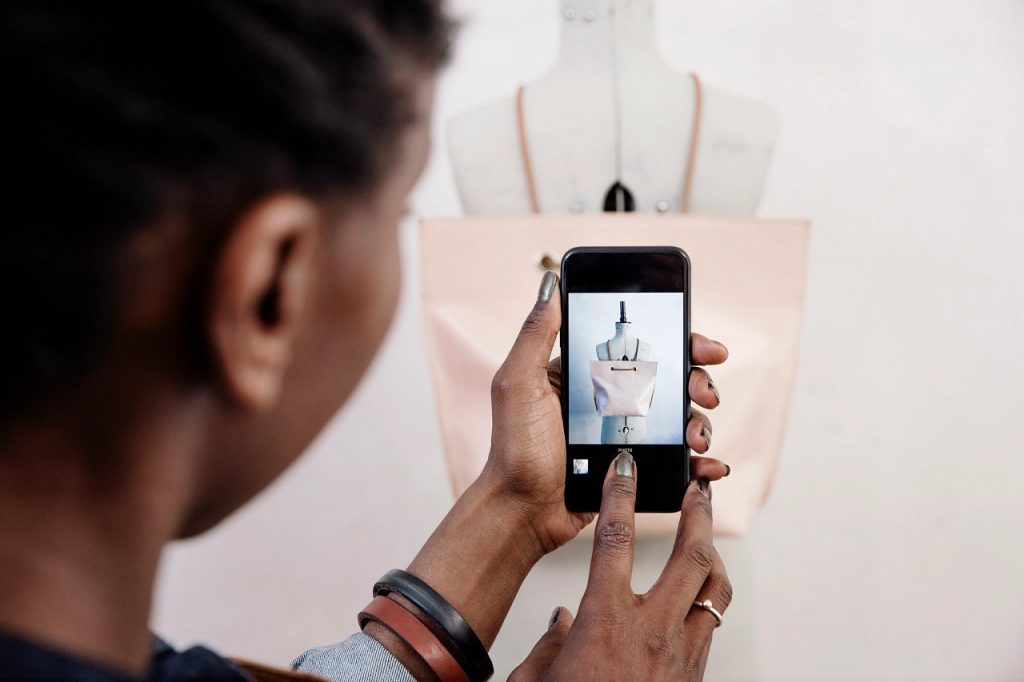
(623, 388)
(480, 277)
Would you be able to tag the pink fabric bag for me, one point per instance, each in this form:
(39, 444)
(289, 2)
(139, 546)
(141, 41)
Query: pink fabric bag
(623, 389)
(480, 277)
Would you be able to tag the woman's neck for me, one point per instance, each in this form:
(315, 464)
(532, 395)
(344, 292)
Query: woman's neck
(83, 523)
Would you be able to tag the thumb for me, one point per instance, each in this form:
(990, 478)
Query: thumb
(546, 649)
(532, 350)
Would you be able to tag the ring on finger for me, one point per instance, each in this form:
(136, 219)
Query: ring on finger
(710, 608)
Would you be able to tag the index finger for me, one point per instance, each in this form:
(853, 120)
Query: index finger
(611, 566)
(705, 351)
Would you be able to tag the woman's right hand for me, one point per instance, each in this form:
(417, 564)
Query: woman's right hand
(620, 635)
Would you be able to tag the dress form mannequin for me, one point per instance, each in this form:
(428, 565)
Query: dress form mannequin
(624, 345)
(571, 130)
(609, 83)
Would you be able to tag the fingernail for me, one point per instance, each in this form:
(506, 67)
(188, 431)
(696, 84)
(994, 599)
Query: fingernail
(723, 348)
(704, 487)
(728, 470)
(625, 465)
(706, 432)
(547, 285)
(554, 617)
(714, 390)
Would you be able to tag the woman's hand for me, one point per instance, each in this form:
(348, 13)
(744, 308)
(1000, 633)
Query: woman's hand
(515, 512)
(619, 635)
(527, 458)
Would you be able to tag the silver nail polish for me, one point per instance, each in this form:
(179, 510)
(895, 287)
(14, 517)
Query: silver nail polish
(714, 389)
(625, 465)
(704, 487)
(547, 285)
(706, 432)
(554, 616)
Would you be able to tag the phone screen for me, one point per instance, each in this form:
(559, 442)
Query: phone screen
(626, 369)
(625, 350)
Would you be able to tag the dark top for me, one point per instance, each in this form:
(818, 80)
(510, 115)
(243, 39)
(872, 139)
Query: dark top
(22, 658)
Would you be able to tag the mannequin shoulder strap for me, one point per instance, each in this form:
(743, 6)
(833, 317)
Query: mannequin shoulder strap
(524, 152)
(691, 154)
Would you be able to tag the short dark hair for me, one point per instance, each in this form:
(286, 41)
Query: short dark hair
(121, 114)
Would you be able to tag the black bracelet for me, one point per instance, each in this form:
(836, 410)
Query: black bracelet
(466, 647)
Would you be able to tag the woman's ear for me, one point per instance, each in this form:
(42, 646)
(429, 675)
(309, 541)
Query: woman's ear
(260, 286)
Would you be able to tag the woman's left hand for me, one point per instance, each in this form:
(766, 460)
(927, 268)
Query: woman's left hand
(527, 457)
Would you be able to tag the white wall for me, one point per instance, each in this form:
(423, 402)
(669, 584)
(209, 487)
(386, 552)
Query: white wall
(893, 544)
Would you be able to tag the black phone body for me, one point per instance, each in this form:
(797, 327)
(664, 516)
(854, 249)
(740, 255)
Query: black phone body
(626, 307)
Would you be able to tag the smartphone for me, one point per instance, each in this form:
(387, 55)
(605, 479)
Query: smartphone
(625, 344)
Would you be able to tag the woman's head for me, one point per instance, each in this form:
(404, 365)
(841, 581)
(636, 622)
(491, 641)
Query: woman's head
(201, 210)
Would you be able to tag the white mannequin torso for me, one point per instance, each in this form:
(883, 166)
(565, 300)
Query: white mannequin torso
(570, 122)
(623, 430)
(624, 344)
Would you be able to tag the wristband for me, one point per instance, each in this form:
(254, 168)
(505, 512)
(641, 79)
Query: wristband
(465, 646)
(394, 617)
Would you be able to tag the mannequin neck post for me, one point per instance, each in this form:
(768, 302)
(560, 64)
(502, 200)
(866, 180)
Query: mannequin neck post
(607, 30)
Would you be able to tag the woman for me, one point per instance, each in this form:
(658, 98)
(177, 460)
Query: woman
(201, 259)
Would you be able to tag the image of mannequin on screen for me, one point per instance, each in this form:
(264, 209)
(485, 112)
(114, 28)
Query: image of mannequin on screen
(628, 395)
(631, 383)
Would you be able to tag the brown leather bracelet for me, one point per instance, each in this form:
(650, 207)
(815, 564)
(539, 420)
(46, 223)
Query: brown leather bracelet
(394, 617)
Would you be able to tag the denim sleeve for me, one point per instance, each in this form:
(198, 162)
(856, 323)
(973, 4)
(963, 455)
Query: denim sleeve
(358, 658)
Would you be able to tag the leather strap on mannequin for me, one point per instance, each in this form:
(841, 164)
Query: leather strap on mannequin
(524, 151)
(691, 154)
